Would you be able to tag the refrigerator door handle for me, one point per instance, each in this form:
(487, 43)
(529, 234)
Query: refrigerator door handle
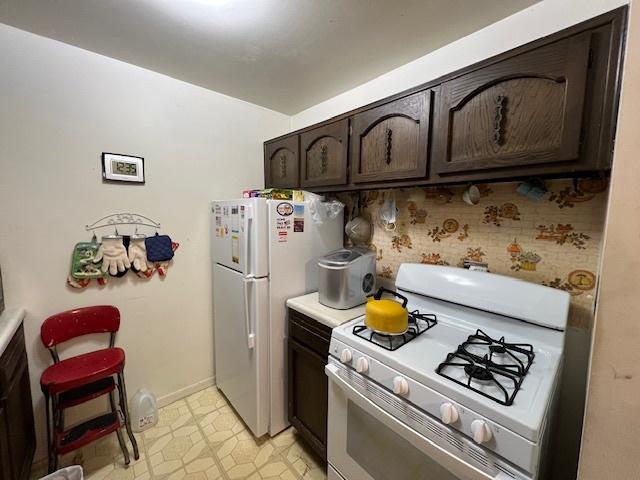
(251, 341)
(248, 219)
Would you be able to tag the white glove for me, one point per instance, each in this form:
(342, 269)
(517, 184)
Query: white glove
(113, 256)
(138, 254)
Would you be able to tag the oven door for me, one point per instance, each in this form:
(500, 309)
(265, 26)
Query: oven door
(367, 443)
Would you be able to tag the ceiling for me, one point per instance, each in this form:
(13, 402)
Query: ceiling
(286, 55)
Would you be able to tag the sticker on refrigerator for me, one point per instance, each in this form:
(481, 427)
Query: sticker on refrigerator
(235, 224)
(298, 210)
(284, 208)
(298, 224)
(282, 236)
(235, 249)
(283, 224)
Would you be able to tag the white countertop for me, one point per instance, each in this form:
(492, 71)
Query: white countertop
(10, 321)
(331, 317)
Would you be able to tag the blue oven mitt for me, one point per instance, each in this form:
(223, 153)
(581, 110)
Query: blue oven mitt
(159, 248)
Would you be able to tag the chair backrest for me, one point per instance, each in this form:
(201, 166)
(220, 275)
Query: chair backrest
(67, 325)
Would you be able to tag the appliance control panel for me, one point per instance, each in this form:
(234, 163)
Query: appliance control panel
(483, 431)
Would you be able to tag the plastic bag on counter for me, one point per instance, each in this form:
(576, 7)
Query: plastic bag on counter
(322, 211)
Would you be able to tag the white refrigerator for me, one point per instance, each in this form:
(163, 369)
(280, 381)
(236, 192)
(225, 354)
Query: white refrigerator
(264, 252)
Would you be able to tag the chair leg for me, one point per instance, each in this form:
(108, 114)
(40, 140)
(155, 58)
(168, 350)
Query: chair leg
(124, 406)
(50, 449)
(53, 459)
(61, 420)
(123, 446)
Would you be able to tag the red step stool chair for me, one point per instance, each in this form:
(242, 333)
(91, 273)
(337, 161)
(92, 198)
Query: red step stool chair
(78, 379)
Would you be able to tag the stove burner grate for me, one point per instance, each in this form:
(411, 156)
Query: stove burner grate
(487, 369)
(519, 355)
(477, 372)
(483, 372)
(418, 324)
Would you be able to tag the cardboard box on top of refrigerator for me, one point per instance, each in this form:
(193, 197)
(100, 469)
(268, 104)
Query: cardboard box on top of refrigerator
(275, 194)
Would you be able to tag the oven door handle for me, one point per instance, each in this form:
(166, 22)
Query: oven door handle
(452, 463)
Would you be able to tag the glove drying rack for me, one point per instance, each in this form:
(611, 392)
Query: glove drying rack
(121, 255)
(124, 218)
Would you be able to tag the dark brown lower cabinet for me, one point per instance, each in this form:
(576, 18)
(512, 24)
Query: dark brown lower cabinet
(308, 349)
(17, 434)
(6, 470)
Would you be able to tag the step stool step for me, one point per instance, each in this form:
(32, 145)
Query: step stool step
(86, 432)
(82, 394)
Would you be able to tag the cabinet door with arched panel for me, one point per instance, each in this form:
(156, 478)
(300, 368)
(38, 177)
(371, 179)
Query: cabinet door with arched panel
(281, 163)
(525, 110)
(323, 155)
(390, 142)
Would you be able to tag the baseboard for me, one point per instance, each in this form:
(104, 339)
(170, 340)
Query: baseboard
(184, 392)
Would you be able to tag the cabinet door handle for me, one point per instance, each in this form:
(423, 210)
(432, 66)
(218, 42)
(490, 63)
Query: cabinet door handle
(388, 133)
(323, 159)
(283, 166)
(498, 120)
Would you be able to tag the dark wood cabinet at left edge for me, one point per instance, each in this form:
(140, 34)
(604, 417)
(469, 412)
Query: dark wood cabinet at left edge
(17, 434)
(308, 352)
(546, 108)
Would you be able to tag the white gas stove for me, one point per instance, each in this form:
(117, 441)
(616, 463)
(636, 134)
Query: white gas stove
(466, 393)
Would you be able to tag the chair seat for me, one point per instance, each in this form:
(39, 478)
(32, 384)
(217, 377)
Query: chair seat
(82, 369)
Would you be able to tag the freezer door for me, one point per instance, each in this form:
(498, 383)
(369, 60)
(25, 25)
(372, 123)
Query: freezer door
(241, 319)
(239, 235)
(295, 244)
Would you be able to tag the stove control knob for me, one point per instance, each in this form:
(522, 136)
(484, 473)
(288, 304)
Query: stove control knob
(481, 431)
(400, 386)
(345, 356)
(448, 413)
(362, 365)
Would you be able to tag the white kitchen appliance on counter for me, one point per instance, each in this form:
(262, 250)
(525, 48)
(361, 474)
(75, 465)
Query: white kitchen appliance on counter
(467, 393)
(264, 252)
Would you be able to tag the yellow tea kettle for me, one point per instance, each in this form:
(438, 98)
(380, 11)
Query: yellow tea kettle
(386, 316)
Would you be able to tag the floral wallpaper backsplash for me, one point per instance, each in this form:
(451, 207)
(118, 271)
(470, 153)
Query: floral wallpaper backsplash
(555, 241)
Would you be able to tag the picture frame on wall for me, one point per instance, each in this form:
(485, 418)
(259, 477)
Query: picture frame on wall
(122, 168)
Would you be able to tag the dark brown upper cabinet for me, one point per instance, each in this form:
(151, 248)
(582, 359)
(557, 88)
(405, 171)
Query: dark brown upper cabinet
(281, 163)
(547, 108)
(525, 110)
(323, 159)
(391, 142)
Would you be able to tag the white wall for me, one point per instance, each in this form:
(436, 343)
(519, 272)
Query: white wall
(60, 107)
(610, 438)
(537, 21)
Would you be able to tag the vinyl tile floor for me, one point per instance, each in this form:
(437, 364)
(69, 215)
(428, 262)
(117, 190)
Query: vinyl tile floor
(198, 438)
